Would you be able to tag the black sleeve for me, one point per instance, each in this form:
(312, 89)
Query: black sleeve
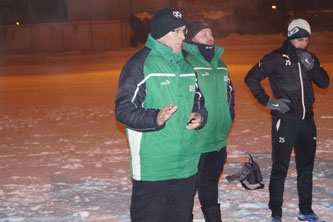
(256, 74)
(199, 104)
(318, 75)
(131, 95)
(231, 99)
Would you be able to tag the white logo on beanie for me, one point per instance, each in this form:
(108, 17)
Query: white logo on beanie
(293, 31)
(177, 14)
(300, 23)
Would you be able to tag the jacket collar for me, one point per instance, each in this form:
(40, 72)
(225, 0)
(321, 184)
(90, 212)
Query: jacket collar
(288, 48)
(163, 50)
(193, 49)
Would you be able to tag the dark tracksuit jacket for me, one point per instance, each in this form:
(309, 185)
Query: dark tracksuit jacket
(288, 79)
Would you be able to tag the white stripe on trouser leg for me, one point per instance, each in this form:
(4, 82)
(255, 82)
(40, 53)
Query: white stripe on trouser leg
(278, 125)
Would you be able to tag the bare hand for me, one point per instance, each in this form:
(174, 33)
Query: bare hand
(165, 113)
(194, 121)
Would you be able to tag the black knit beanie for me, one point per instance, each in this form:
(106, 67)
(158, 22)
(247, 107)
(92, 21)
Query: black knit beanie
(164, 21)
(194, 28)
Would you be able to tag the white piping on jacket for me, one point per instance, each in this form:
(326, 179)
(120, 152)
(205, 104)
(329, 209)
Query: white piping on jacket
(302, 89)
(145, 79)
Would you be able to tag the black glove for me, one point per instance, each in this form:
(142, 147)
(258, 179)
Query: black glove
(305, 58)
(279, 105)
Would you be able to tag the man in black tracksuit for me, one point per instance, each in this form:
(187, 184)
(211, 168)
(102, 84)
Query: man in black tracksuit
(291, 70)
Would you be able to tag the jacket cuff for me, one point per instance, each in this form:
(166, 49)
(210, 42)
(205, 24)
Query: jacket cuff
(158, 127)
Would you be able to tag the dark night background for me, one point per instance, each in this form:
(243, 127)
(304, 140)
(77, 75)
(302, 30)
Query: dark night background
(100, 25)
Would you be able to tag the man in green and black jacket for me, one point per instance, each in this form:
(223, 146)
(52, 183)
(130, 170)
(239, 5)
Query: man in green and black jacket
(216, 86)
(160, 104)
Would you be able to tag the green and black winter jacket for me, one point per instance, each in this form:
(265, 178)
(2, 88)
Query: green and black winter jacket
(152, 78)
(216, 86)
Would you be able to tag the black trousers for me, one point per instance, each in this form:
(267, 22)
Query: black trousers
(302, 135)
(210, 168)
(163, 201)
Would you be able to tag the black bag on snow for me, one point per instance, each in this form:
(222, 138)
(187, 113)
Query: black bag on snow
(250, 172)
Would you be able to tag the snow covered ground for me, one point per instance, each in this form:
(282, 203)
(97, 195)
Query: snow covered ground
(64, 157)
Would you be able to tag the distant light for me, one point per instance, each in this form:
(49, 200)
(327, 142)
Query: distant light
(17, 23)
(274, 7)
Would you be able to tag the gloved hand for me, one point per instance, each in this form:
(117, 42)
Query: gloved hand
(305, 58)
(279, 105)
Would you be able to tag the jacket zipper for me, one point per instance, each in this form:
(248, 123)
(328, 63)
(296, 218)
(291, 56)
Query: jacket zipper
(302, 89)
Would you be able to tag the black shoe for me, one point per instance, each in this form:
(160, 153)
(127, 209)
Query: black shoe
(212, 214)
